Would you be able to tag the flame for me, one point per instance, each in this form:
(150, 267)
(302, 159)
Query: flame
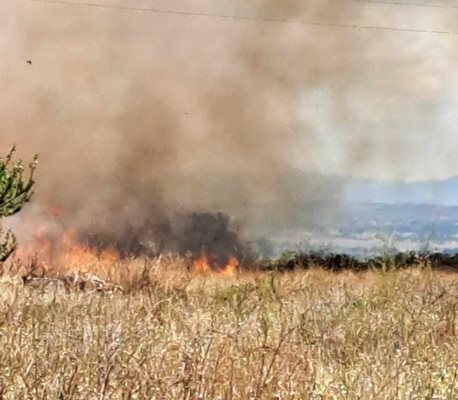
(56, 248)
(231, 268)
(203, 266)
(67, 252)
(73, 252)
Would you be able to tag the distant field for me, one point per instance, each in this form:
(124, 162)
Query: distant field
(173, 334)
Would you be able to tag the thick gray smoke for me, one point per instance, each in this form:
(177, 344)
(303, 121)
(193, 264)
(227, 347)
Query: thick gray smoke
(139, 117)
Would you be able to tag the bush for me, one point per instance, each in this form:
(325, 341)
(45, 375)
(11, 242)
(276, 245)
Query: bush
(15, 190)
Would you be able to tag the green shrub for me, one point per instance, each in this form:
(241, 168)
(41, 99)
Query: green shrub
(16, 189)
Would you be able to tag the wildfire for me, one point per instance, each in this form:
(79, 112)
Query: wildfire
(69, 253)
(203, 266)
(72, 252)
(61, 249)
(66, 250)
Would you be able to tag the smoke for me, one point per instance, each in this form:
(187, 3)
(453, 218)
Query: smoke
(140, 117)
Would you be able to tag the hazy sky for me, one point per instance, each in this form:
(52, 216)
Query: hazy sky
(383, 104)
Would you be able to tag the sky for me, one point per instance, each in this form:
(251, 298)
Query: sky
(361, 102)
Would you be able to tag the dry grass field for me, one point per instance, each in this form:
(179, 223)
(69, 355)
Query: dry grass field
(161, 332)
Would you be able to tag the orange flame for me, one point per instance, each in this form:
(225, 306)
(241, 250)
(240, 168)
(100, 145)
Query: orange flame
(73, 252)
(67, 252)
(202, 266)
(57, 249)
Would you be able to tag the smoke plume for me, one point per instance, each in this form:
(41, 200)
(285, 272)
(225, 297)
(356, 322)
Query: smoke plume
(140, 118)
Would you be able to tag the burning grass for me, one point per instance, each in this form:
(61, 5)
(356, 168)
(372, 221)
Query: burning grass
(170, 333)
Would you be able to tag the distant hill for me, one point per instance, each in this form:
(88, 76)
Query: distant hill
(437, 192)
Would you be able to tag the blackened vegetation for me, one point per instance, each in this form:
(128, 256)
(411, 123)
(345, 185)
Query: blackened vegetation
(342, 262)
(192, 235)
(151, 238)
(213, 235)
(210, 235)
(445, 261)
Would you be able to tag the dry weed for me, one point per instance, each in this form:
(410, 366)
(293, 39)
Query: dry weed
(302, 335)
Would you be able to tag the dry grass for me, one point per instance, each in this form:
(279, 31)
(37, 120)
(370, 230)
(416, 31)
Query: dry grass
(304, 335)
